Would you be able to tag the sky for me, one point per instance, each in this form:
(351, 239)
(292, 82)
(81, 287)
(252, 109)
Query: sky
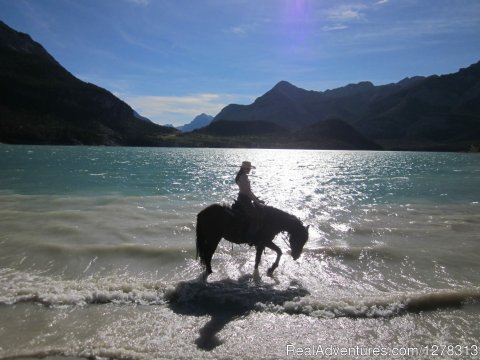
(174, 59)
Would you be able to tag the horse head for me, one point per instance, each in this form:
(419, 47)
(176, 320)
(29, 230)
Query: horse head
(298, 238)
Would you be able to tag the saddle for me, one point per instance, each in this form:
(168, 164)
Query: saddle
(236, 210)
(245, 220)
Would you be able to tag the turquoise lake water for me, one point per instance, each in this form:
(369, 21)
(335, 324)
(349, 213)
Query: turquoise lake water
(97, 255)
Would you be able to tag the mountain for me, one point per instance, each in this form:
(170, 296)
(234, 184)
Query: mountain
(200, 121)
(328, 134)
(439, 112)
(282, 105)
(242, 128)
(138, 116)
(418, 113)
(294, 108)
(42, 103)
(333, 134)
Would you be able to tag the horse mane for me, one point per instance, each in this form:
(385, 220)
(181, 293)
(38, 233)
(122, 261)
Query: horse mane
(283, 216)
(280, 213)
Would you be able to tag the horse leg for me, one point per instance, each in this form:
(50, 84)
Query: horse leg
(260, 249)
(275, 248)
(212, 246)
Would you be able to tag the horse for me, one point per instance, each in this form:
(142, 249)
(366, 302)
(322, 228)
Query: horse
(220, 221)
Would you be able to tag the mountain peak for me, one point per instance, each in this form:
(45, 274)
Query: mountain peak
(45, 104)
(198, 122)
(284, 86)
(21, 42)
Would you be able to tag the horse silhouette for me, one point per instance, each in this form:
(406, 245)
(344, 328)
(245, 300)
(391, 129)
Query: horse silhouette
(219, 221)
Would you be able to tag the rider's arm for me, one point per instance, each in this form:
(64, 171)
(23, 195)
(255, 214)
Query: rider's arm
(244, 186)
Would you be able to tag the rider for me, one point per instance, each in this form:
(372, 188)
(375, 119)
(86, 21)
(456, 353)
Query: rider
(246, 199)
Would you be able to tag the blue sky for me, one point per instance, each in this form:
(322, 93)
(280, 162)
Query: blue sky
(174, 59)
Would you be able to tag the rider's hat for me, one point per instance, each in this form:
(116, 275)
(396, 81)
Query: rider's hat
(247, 165)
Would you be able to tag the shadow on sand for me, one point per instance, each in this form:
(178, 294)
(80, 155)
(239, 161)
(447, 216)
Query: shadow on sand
(224, 301)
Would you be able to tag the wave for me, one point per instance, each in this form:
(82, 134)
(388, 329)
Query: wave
(199, 297)
(243, 295)
(68, 352)
(352, 252)
(384, 306)
(17, 287)
(165, 253)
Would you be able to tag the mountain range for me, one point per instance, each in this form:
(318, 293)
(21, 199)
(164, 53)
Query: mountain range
(331, 134)
(42, 103)
(419, 113)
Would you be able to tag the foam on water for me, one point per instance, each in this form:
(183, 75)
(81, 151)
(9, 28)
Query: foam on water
(17, 287)
(384, 306)
(244, 294)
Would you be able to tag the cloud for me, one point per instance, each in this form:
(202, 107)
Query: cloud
(341, 16)
(334, 27)
(178, 109)
(243, 29)
(240, 30)
(135, 41)
(139, 2)
(346, 13)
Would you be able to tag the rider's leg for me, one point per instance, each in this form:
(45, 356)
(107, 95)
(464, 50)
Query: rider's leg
(252, 232)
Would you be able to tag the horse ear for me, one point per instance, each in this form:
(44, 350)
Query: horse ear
(308, 227)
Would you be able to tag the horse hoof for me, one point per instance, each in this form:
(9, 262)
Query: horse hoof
(205, 274)
(270, 272)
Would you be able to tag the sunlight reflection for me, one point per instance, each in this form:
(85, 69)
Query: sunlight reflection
(318, 191)
(297, 17)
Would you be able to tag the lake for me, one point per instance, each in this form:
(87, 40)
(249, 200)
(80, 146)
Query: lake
(97, 255)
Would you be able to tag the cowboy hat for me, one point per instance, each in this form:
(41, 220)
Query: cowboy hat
(247, 165)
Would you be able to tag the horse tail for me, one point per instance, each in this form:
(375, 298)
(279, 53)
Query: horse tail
(201, 241)
(209, 233)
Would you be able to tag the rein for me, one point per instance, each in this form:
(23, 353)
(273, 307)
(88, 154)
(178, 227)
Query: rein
(284, 236)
